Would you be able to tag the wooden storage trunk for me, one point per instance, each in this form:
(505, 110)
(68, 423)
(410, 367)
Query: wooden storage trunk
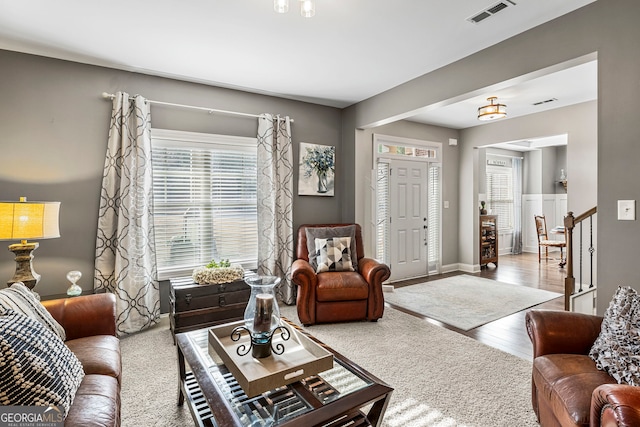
(193, 306)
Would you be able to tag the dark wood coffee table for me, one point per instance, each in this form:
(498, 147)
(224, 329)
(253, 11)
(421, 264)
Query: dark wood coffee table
(336, 397)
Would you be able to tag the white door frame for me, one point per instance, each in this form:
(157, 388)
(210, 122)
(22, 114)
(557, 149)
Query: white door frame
(386, 149)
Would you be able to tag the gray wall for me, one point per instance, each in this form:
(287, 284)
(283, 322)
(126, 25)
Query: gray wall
(532, 172)
(561, 163)
(54, 131)
(549, 170)
(606, 29)
(543, 174)
(542, 168)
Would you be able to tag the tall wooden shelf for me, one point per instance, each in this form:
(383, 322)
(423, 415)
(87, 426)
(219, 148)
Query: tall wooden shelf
(488, 240)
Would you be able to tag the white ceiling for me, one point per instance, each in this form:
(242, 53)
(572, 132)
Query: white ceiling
(566, 87)
(533, 143)
(349, 51)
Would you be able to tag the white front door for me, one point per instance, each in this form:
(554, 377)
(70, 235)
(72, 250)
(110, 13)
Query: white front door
(408, 197)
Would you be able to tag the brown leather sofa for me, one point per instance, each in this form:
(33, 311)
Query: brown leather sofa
(338, 296)
(567, 388)
(90, 325)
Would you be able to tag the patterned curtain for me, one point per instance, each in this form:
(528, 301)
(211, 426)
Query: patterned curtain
(125, 246)
(516, 242)
(275, 203)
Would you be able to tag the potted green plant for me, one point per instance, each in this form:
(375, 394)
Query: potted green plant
(483, 211)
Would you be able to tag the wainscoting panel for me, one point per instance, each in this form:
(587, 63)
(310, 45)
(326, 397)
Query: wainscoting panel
(561, 208)
(531, 205)
(552, 206)
(505, 243)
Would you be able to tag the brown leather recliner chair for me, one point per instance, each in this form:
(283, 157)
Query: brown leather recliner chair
(567, 388)
(338, 296)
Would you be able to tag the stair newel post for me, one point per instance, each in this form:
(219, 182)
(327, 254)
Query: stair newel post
(569, 281)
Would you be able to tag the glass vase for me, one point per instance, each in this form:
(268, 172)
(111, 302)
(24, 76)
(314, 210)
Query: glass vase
(322, 182)
(262, 315)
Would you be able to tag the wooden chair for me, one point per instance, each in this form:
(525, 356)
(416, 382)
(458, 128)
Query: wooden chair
(544, 242)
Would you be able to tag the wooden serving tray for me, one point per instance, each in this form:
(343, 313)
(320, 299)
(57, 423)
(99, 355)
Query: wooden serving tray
(302, 358)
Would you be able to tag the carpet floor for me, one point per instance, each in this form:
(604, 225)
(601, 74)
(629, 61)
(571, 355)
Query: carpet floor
(441, 378)
(465, 301)
(150, 380)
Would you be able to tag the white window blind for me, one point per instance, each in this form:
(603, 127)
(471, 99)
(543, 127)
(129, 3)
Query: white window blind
(434, 200)
(204, 189)
(383, 213)
(500, 195)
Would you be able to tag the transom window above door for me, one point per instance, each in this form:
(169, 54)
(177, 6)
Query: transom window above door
(397, 148)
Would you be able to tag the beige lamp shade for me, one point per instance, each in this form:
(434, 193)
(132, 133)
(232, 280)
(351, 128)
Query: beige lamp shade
(29, 220)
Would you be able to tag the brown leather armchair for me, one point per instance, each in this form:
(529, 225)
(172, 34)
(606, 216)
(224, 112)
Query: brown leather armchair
(567, 389)
(338, 296)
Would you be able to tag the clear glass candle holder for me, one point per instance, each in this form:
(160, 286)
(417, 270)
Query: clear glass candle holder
(261, 317)
(262, 314)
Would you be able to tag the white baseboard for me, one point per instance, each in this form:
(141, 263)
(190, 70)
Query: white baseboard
(467, 268)
(450, 267)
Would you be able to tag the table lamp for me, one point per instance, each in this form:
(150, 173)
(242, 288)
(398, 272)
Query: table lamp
(27, 220)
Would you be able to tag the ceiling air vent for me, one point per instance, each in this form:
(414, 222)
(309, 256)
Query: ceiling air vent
(497, 8)
(479, 17)
(490, 11)
(546, 101)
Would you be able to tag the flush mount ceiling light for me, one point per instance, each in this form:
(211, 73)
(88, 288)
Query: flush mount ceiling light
(281, 6)
(492, 111)
(307, 7)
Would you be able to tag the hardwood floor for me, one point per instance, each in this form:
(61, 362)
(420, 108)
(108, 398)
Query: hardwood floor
(508, 333)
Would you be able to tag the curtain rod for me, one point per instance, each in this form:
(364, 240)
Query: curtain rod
(192, 107)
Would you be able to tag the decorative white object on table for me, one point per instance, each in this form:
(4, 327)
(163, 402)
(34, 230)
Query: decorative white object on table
(216, 275)
(74, 290)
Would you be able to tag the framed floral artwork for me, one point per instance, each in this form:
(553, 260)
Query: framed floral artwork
(317, 170)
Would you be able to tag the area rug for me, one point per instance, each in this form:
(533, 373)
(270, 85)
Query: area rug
(465, 301)
(441, 378)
